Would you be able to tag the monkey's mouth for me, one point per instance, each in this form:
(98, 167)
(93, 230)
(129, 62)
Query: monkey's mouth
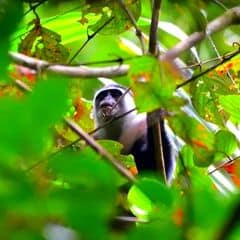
(107, 111)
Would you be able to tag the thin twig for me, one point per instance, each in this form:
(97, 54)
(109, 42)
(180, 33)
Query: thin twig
(219, 3)
(23, 86)
(133, 21)
(99, 149)
(93, 131)
(33, 7)
(216, 50)
(222, 165)
(232, 16)
(129, 219)
(89, 37)
(89, 140)
(203, 62)
(120, 98)
(224, 59)
(154, 27)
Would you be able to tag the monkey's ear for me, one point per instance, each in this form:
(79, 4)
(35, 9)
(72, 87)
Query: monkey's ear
(106, 81)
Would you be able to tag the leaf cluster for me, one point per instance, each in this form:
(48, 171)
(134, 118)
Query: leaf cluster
(52, 183)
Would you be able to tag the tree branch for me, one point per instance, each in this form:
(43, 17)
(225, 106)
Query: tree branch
(71, 71)
(98, 148)
(158, 125)
(133, 21)
(94, 131)
(22, 86)
(231, 16)
(89, 140)
(223, 60)
(154, 27)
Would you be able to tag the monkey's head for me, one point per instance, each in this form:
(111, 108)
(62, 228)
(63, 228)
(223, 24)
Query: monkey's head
(110, 102)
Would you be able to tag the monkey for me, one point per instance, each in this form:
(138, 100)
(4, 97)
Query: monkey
(114, 109)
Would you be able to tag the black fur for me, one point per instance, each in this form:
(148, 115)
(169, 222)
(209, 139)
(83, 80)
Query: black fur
(143, 152)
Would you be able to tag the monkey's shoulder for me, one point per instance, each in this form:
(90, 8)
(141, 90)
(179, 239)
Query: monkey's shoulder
(132, 131)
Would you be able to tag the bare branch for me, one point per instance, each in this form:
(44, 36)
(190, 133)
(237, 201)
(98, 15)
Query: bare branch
(133, 21)
(154, 27)
(231, 16)
(98, 148)
(224, 59)
(89, 39)
(23, 86)
(71, 71)
(71, 144)
(157, 125)
(129, 219)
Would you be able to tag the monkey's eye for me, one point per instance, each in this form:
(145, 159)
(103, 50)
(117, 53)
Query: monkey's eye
(116, 93)
(101, 95)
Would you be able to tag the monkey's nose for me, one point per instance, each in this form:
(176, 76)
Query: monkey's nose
(104, 104)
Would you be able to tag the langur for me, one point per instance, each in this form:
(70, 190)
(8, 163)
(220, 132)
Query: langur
(114, 105)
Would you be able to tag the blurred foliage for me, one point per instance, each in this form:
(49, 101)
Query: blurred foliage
(44, 179)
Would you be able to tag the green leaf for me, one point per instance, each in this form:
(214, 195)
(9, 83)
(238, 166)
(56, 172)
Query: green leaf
(25, 123)
(140, 205)
(231, 104)
(11, 15)
(207, 201)
(15, 128)
(83, 167)
(155, 230)
(89, 199)
(204, 98)
(197, 136)
(48, 101)
(44, 44)
(158, 192)
(152, 82)
(115, 148)
(225, 144)
(148, 193)
(108, 9)
(187, 156)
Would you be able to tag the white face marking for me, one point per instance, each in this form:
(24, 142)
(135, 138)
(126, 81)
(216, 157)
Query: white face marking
(105, 107)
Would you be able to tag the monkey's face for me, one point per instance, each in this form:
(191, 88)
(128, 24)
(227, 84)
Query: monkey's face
(108, 104)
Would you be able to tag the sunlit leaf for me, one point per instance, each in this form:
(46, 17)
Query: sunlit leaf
(231, 104)
(44, 44)
(205, 100)
(140, 204)
(158, 192)
(115, 149)
(152, 82)
(225, 144)
(197, 136)
(112, 9)
(187, 156)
